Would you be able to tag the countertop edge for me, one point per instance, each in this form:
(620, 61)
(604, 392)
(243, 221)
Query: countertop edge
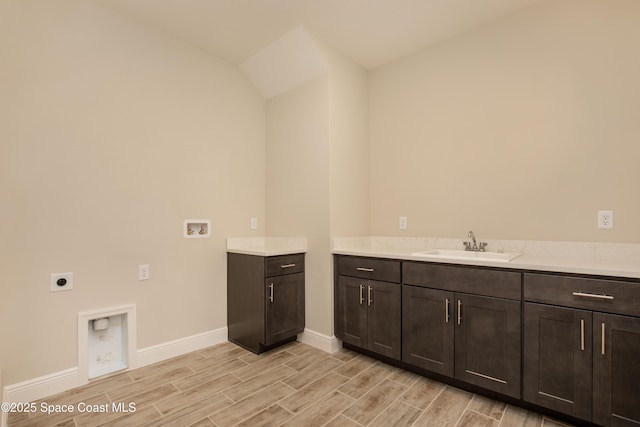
(266, 252)
(266, 246)
(520, 263)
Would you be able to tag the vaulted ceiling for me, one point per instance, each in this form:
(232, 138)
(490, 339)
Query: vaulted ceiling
(371, 32)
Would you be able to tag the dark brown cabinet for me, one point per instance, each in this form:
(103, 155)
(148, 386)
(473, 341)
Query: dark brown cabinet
(557, 359)
(616, 371)
(368, 310)
(566, 342)
(488, 337)
(472, 337)
(265, 299)
(428, 329)
(581, 359)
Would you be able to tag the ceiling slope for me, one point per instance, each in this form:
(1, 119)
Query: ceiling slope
(370, 32)
(284, 64)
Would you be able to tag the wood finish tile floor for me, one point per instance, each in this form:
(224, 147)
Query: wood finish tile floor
(294, 385)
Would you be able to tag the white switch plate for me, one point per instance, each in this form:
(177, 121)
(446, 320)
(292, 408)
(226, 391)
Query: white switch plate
(60, 282)
(254, 223)
(605, 220)
(143, 272)
(403, 223)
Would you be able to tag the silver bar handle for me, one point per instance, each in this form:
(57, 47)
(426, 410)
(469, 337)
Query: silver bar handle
(368, 270)
(287, 265)
(361, 294)
(588, 295)
(446, 309)
(459, 312)
(603, 335)
(582, 334)
(369, 296)
(271, 292)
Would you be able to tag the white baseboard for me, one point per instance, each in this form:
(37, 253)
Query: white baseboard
(160, 352)
(321, 341)
(47, 385)
(37, 388)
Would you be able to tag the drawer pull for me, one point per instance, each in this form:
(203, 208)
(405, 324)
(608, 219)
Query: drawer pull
(361, 294)
(582, 334)
(587, 295)
(446, 310)
(498, 380)
(459, 311)
(287, 265)
(368, 270)
(602, 339)
(271, 292)
(369, 295)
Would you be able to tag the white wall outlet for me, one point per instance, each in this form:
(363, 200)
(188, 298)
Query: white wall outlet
(60, 282)
(605, 219)
(403, 223)
(254, 223)
(143, 272)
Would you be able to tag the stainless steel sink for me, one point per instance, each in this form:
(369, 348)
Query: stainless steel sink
(468, 255)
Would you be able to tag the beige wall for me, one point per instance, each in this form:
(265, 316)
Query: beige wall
(298, 186)
(317, 172)
(349, 146)
(111, 135)
(522, 129)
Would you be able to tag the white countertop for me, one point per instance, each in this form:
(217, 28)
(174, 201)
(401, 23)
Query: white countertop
(603, 259)
(267, 246)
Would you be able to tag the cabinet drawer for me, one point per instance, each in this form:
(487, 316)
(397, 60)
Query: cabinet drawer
(369, 268)
(472, 280)
(284, 264)
(610, 296)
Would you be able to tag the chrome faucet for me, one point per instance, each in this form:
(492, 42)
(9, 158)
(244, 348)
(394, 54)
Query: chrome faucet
(474, 246)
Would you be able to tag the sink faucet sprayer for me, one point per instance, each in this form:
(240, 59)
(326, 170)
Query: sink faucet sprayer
(469, 246)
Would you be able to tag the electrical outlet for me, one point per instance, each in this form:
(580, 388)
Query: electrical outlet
(254, 223)
(60, 282)
(143, 272)
(605, 219)
(403, 223)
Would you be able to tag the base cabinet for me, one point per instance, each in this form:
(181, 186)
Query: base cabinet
(428, 329)
(558, 359)
(616, 370)
(370, 315)
(284, 307)
(265, 299)
(567, 343)
(579, 360)
(488, 352)
(368, 310)
(473, 338)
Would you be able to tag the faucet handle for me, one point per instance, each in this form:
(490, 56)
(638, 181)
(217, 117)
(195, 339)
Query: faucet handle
(482, 245)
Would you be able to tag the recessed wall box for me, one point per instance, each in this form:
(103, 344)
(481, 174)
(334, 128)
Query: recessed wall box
(196, 228)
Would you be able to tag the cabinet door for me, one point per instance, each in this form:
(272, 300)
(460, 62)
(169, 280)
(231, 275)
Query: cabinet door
(352, 311)
(557, 359)
(616, 381)
(487, 341)
(283, 298)
(384, 328)
(428, 328)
